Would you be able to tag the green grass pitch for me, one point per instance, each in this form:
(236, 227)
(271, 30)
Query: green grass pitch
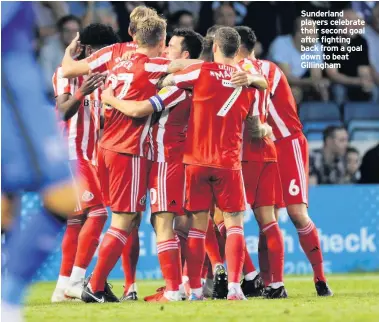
(356, 299)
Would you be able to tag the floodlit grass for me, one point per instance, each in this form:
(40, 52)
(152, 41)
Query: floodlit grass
(356, 299)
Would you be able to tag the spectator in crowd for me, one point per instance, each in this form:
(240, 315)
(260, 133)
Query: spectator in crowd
(182, 19)
(369, 167)
(352, 165)
(327, 165)
(372, 38)
(239, 7)
(53, 50)
(191, 6)
(287, 52)
(47, 13)
(353, 80)
(225, 15)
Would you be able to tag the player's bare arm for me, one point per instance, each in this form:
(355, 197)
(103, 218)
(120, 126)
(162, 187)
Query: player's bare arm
(136, 109)
(68, 105)
(73, 68)
(256, 129)
(180, 64)
(248, 79)
(166, 81)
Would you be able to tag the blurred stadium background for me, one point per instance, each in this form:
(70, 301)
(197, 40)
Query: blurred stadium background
(343, 130)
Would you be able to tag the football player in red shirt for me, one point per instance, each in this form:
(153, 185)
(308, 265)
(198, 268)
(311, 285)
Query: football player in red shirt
(167, 136)
(103, 61)
(293, 161)
(212, 157)
(78, 105)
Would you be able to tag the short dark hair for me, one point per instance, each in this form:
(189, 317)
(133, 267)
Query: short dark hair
(98, 35)
(212, 30)
(62, 21)
(207, 53)
(192, 42)
(248, 37)
(351, 149)
(228, 40)
(175, 17)
(331, 130)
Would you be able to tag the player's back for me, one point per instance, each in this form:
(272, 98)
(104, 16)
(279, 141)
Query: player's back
(219, 109)
(283, 115)
(133, 79)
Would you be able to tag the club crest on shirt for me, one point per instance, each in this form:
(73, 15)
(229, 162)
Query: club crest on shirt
(87, 196)
(143, 200)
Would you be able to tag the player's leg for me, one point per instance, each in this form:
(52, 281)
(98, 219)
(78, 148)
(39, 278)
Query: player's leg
(211, 246)
(252, 284)
(129, 259)
(197, 201)
(127, 195)
(96, 215)
(294, 168)
(229, 193)
(264, 212)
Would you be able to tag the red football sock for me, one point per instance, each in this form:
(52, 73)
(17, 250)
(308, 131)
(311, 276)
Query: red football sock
(185, 269)
(235, 253)
(310, 243)
(110, 251)
(221, 239)
(70, 245)
(169, 259)
(275, 248)
(248, 265)
(183, 246)
(264, 264)
(204, 270)
(90, 235)
(211, 245)
(195, 256)
(129, 258)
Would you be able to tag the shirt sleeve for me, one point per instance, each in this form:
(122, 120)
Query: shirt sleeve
(188, 76)
(99, 60)
(167, 97)
(62, 85)
(257, 104)
(156, 68)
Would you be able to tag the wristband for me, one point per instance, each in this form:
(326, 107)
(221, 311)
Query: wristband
(79, 95)
(157, 103)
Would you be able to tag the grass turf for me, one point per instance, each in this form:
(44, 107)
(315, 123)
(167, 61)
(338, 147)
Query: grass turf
(356, 299)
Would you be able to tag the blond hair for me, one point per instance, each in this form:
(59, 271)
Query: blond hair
(139, 13)
(150, 31)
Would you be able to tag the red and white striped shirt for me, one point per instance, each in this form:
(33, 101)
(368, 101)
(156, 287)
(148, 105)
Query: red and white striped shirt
(262, 150)
(106, 58)
(283, 117)
(81, 130)
(168, 132)
(133, 79)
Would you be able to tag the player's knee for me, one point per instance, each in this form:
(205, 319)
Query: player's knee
(298, 215)
(60, 199)
(218, 216)
(123, 221)
(264, 215)
(181, 225)
(233, 219)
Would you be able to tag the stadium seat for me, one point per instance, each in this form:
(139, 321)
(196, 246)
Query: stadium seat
(319, 111)
(319, 126)
(314, 136)
(363, 135)
(363, 125)
(361, 111)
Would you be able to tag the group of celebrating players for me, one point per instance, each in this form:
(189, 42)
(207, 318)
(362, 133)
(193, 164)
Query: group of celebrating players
(208, 130)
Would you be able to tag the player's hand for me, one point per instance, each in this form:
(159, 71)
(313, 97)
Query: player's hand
(128, 55)
(106, 95)
(72, 48)
(93, 81)
(240, 79)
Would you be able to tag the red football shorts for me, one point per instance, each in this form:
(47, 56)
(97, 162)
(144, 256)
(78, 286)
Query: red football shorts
(87, 188)
(293, 161)
(205, 183)
(166, 185)
(123, 179)
(262, 184)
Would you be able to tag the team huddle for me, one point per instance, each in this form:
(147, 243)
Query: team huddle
(207, 130)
